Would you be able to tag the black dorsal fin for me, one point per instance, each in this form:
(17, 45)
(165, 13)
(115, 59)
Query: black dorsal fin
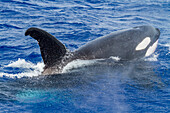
(51, 49)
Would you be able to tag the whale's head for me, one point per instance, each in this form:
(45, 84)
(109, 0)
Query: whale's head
(147, 43)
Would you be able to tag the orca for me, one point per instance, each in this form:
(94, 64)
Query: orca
(128, 44)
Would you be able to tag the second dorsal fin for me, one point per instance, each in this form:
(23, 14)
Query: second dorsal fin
(51, 49)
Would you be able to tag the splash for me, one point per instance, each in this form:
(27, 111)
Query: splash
(30, 69)
(83, 63)
(116, 58)
(76, 64)
(153, 57)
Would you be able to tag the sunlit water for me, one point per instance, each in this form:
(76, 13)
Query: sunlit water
(102, 85)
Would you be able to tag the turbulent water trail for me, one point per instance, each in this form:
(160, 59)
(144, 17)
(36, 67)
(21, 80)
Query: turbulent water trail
(29, 68)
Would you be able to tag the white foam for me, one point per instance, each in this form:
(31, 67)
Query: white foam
(154, 57)
(116, 58)
(30, 69)
(21, 63)
(82, 63)
(76, 64)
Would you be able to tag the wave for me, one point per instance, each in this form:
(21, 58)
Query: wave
(76, 64)
(8, 26)
(153, 57)
(29, 68)
(166, 45)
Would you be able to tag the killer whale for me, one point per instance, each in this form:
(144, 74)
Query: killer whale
(128, 44)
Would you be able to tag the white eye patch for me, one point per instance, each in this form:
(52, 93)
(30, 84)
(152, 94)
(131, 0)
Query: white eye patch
(151, 49)
(145, 42)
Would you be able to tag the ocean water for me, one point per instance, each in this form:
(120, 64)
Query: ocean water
(96, 86)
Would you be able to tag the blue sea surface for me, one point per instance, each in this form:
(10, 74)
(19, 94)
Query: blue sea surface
(105, 87)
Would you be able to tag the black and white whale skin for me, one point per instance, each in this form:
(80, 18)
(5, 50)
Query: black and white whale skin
(128, 44)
